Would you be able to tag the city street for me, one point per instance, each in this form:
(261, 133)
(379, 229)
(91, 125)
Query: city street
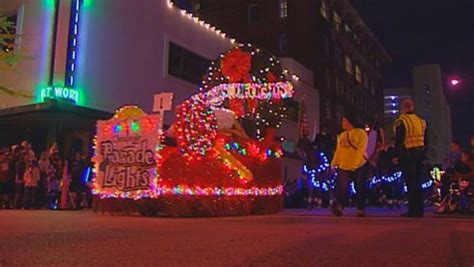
(290, 238)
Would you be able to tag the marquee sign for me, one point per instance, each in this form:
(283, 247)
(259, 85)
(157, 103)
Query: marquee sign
(58, 92)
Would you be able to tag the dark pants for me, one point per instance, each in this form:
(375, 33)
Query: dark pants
(411, 163)
(343, 181)
(19, 198)
(30, 197)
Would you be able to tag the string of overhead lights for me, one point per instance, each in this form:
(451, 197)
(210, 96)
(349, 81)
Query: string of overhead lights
(204, 24)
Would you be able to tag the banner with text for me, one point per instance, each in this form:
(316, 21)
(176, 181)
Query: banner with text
(126, 155)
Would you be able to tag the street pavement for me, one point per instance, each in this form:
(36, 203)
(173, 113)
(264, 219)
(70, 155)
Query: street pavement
(290, 238)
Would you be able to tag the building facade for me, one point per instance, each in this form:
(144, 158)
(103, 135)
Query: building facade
(432, 105)
(327, 37)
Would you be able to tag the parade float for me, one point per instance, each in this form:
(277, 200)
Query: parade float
(220, 156)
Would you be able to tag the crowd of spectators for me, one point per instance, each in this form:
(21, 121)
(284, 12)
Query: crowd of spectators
(42, 181)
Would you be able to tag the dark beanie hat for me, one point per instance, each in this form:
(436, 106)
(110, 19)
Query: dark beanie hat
(353, 119)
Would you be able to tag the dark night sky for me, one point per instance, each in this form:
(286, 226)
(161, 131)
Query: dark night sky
(416, 32)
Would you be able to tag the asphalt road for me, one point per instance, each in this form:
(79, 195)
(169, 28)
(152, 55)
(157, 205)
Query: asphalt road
(291, 238)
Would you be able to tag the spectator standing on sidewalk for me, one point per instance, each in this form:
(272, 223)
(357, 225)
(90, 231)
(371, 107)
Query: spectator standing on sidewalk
(55, 180)
(13, 158)
(47, 173)
(76, 170)
(3, 177)
(31, 178)
(21, 167)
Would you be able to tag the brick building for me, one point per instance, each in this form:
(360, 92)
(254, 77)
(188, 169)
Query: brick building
(328, 37)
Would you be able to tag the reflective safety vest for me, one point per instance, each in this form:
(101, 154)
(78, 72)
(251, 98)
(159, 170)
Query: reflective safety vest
(414, 130)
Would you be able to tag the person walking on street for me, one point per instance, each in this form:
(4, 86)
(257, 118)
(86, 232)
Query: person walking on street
(410, 143)
(351, 164)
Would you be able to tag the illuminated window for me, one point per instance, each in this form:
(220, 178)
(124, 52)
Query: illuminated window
(283, 43)
(348, 64)
(337, 20)
(7, 32)
(347, 28)
(324, 9)
(185, 64)
(254, 13)
(358, 73)
(283, 8)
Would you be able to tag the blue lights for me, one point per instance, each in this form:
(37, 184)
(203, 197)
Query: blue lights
(86, 175)
(325, 186)
(321, 168)
(73, 42)
(386, 179)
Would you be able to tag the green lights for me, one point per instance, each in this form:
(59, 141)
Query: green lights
(59, 92)
(50, 3)
(87, 3)
(134, 126)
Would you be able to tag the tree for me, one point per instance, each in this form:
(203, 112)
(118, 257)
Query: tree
(9, 56)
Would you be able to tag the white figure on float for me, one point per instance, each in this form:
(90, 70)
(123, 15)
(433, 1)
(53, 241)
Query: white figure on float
(228, 124)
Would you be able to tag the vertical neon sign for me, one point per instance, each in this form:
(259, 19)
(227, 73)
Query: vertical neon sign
(73, 43)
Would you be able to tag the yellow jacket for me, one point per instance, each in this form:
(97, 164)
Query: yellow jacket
(414, 130)
(350, 150)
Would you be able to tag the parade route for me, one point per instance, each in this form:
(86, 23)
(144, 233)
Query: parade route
(290, 238)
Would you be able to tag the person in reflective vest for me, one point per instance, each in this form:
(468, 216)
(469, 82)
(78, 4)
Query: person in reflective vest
(410, 143)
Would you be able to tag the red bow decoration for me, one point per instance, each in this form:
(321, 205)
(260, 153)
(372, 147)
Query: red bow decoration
(236, 65)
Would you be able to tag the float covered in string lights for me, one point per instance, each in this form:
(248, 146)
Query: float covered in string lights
(214, 168)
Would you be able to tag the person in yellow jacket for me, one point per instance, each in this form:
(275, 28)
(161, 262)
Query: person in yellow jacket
(351, 164)
(410, 143)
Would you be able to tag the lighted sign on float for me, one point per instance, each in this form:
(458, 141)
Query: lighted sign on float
(59, 92)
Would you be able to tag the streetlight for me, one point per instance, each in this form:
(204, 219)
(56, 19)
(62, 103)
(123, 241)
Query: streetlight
(455, 82)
